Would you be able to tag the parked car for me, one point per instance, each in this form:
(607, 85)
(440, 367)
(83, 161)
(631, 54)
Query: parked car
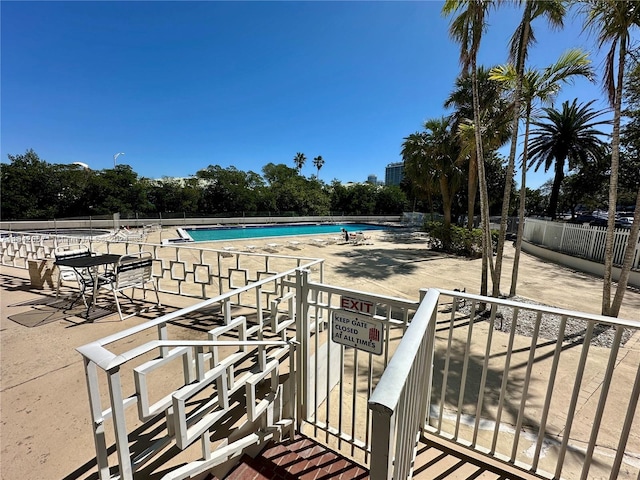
(624, 222)
(582, 218)
(598, 222)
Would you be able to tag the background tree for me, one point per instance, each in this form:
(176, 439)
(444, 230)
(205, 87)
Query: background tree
(430, 156)
(229, 190)
(613, 22)
(318, 162)
(584, 187)
(29, 190)
(289, 192)
(390, 200)
(566, 135)
(117, 190)
(299, 161)
(170, 196)
(537, 202)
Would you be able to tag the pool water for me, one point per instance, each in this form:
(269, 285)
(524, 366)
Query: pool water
(262, 231)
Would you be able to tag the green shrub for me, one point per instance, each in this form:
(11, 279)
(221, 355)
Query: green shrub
(457, 240)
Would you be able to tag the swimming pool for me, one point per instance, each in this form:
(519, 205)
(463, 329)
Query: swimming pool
(262, 231)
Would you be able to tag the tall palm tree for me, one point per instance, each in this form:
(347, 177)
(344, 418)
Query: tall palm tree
(419, 176)
(613, 21)
(318, 162)
(431, 157)
(542, 86)
(466, 29)
(299, 161)
(566, 135)
(494, 128)
(523, 37)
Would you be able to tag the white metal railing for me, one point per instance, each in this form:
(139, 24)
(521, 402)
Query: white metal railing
(184, 387)
(188, 271)
(540, 388)
(338, 380)
(399, 403)
(579, 240)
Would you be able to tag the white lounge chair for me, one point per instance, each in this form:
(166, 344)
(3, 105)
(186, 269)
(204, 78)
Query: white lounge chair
(272, 247)
(294, 245)
(226, 253)
(360, 239)
(320, 242)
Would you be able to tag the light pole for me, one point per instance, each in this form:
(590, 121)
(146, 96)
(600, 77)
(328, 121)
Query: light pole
(115, 157)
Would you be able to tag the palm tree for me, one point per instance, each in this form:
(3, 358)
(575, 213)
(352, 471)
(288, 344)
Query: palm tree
(299, 160)
(613, 21)
(318, 162)
(430, 157)
(541, 85)
(494, 127)
(466, 29)
(566, 135)
(632, 144)
(419, 177)
(523, 37)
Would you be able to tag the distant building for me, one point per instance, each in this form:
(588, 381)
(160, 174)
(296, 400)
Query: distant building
(372, 179)
(182, 181)
(394, 173)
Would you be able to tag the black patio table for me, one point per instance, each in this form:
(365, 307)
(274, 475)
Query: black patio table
(90, 263)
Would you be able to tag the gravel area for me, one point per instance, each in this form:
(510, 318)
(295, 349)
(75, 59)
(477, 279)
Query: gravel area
(574, 333)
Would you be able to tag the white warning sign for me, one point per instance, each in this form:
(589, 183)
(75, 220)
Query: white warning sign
(357, 331)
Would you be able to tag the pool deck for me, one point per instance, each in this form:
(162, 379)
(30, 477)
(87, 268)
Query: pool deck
(44, 412)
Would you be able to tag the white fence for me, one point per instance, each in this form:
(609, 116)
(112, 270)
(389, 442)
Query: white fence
(179, 269)
(549, 391)
(578, 240)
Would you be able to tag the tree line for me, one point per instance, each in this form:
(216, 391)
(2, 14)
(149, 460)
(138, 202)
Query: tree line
(33, 188)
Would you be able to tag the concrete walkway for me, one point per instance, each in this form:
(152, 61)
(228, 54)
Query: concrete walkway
(45, 425)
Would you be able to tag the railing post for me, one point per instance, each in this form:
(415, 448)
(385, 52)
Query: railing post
(91, 373)
(119, 424)
(302, 336)
(430, 353)
(382, 443)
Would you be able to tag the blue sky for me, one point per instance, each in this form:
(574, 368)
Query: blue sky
(179, 86)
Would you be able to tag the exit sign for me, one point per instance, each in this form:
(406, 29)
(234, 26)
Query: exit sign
(357, 305)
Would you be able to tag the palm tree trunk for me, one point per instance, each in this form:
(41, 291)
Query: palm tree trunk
(555, 190)
(512, 154)
(521, 209)
(487, 250)
(472, 190)
(613, 185)
(446, 201)
(629, 252)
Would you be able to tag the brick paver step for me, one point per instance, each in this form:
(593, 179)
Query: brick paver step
(301, 458)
